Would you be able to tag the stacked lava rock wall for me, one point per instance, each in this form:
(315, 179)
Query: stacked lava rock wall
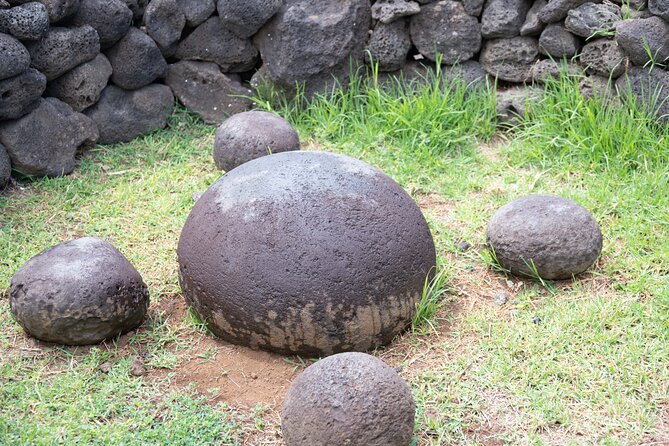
(78, 72)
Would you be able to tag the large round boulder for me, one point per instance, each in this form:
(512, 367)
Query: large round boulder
(110, 18)
(77, 293)
(545, 235)
(348, 399)
(309, 253)
(250, 135)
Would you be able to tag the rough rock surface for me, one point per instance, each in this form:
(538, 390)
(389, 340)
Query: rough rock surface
(555, 41)
(604, 57)
(444, 28)
(124, 115)
(643, 38)
(556, 10)
(25, 22)
(545, 69)
(81, 87)
(5, 167)
(62, 49)
(387, 11)
(110, 18)
(14, 57)
(138, 7)
(389, 45)
(197, 11)
(513, 103)
(510, 59)
(297, 48)
(592, 18)
(60, 9)
(246, 17)
(250, 135)
(136, 61)
(19, 94)
(649, 87)
(503, 18)
(659, 8)
(165, 21)
(213, 42)
(305, 253)
(533, 25)
(598, 86)
(45, 141)
(348, 399)
(77, 293)
(201, 87)
(547, 235)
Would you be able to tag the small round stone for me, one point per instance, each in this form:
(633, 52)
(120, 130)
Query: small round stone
(250, 135)
(77, 293)
(348, 399)
(309, 253)
(545, 235)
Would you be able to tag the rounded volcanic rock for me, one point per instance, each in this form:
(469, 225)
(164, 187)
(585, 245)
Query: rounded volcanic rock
(5, 167)
(77, 293)
(250, 135)
(350, 398)
(14, 57)
(308, 253)
(545, 235)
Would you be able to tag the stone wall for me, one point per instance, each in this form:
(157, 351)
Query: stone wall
(74, 73)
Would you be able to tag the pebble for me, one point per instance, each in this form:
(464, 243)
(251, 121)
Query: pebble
(501, 298)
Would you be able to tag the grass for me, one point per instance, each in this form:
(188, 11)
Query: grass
(582, 362)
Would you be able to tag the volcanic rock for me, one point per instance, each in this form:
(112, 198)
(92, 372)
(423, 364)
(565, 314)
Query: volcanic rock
(14, 57)
(81, 87)
(246, 17)
(62, 49)
(136, 61)
(25, 22)
(19, 94)
(110, 18)
(389, 45)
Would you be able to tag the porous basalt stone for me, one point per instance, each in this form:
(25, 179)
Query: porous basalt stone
(503, 18)
(604, 57)
(25, 22)
(545, 235)
(5, 168)
(590, 19)
(533, 25)
(81, 87)
(387, 11)
(598, 87)
(305, 253)
(389, 45)
(62, 49)
(123, 115)
(136, 61)
(555, 41)
(45, 141)
(138, 8)
(19, 94)
(110, 18)
(250, 135)
(14, 57)
(546, 69)
(348, 399)
(202, 88)
(510, 59)
(443, 29)
(659, 8)
(649, 88)
(58, 10)
(213, 42)
(77, 293)
(165, 21)
(644, 39)
(197, 11)
(556, 10)
(246, 17)
(513, 103)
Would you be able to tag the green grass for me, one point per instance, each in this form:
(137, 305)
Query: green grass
(585, 362)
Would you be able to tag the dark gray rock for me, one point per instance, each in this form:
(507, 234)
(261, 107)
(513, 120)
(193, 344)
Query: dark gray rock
(556, 10)
(14, 57)
(644, 40)
(415, 74)
(25, 22)
(631, 12)
(197, 11)
(110, 18)
(212, 42)
(659, 8)
(250, 135)
(165, 21)
(546, 69)
(592, 19)
(389, 45)
(503, 18)
(387, 11)
(547, 235)
(45, 141)
(136, 61)
(604, 57)
(598, 87)
(555, 41)
(313, 43)
(138, 8)
(470, 73)
(291, 253)
(62, 49)
(246, 17)
(510, 59)
(501, 298)
(5, 168)
(513, 103)
(649, 88)
(473, 7)
(77, 293)
(202, 88)
(348, 399)
(19, 94)
(443, 28)
(81, 87)
(533, 25)
(122, 116)
(58, 10)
